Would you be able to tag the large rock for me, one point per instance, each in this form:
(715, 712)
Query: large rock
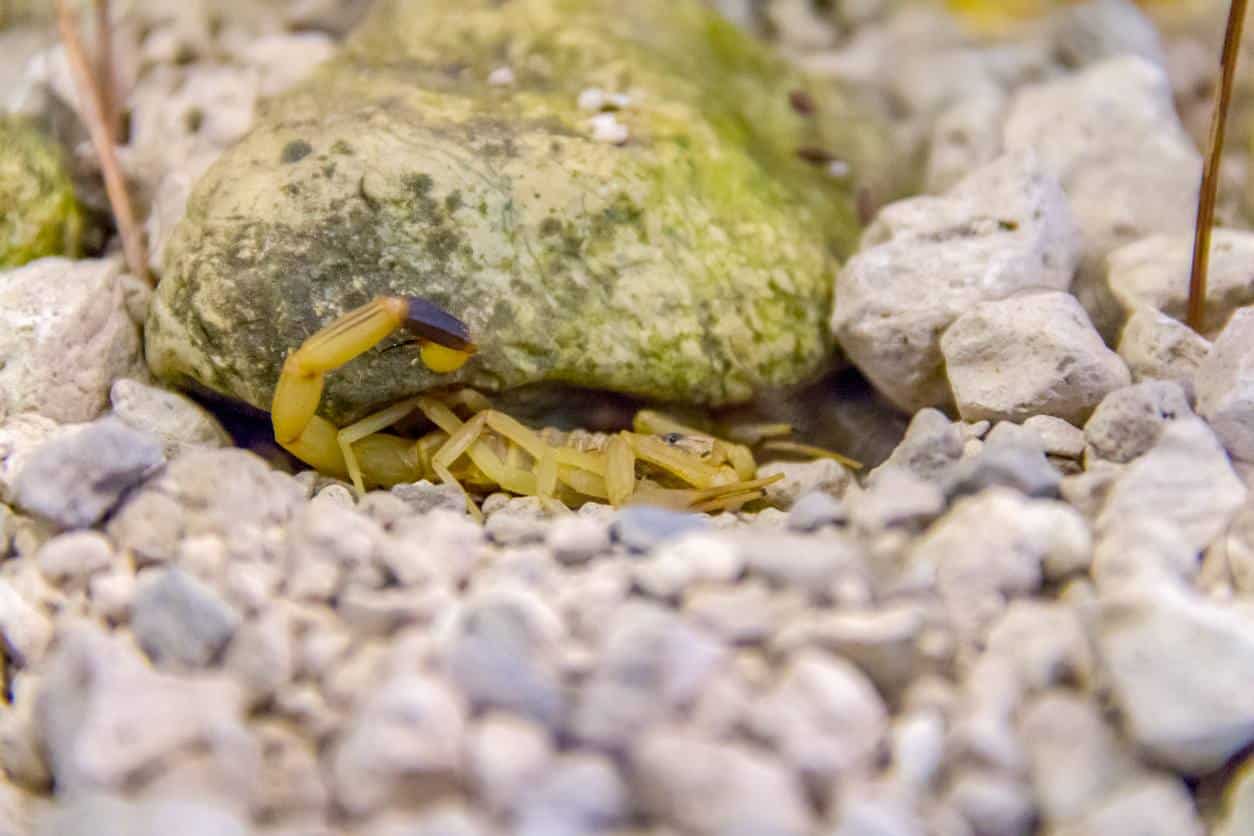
(41, 215)
(1153, 639)
(1034, 354)
(64, 337)
(927, 260)
(678, 247)
(1111, 134)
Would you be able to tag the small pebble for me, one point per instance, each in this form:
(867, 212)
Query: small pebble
(640, 527)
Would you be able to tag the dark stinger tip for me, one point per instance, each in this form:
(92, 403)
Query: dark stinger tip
(431, 322)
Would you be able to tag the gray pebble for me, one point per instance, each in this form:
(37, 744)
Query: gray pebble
(580, 793)
(75, 480)
(501, 650)
(1022, 467)
(652, 662)
(641, 527)
(425, 496)
(180, 621)
(1128, 421)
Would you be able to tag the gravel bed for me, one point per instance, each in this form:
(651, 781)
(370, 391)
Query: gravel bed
(1036, 616)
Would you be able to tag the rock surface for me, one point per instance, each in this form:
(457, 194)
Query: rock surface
(1110, 134)
(1033, 354)
(1225, 385)
(64, 337)
(504, 220)
(42, 215)
(926, 261)
(1154, 272)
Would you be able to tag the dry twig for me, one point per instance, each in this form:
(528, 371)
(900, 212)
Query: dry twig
(106, 78)
(101, 138)
(1210, 175)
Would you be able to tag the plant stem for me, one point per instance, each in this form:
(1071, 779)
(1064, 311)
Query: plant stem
(1214, 156)
(106, 78)
(115, 184)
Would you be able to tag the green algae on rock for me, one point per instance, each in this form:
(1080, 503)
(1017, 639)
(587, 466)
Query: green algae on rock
(692, 262)
(40, 216)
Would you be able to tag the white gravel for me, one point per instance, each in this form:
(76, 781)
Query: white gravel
(1034, 617)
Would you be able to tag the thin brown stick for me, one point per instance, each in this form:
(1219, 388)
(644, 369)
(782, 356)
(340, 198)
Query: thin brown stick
(1210, 175)
(115, 184)
(106, 77)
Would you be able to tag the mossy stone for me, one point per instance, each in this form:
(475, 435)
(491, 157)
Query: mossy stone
(692, 263)
(41, 216)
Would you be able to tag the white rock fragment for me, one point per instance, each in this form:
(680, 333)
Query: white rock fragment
(501, 77)
(1225, 386)
(824, 717)
(993, 802)
(927, 260)
(1091, 32)
(1186, 478)
(1044, 642)
(1156, 805)
(1128, 421)
(708, 788)
(1029, 355)
(1074, 756)
(581, 792)
(1154, 272)
(688, 560)
(826, 475)
(407, 734)
(966, 136)
(65, 336)
(440, 545)
(1058, 437)
(886, 642)
(108, 721)
(70, 559)
(990, 548)
(1110, 134)
(652, 663)
(1143, 548)
(606, 128)
(507, 756)
(1153, 639)
(575, 539)
(1157, 347)
(26, 631)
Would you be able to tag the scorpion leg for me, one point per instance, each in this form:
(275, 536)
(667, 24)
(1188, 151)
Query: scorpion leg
(444, 345)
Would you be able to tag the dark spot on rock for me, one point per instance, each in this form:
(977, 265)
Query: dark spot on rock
(1009, 226)
(550, 226)
(328, 170)
(341, 147)
(453, 201)
(194, 119)
(295, 151)
(442, 243)
(420, 184)
(802, 102)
